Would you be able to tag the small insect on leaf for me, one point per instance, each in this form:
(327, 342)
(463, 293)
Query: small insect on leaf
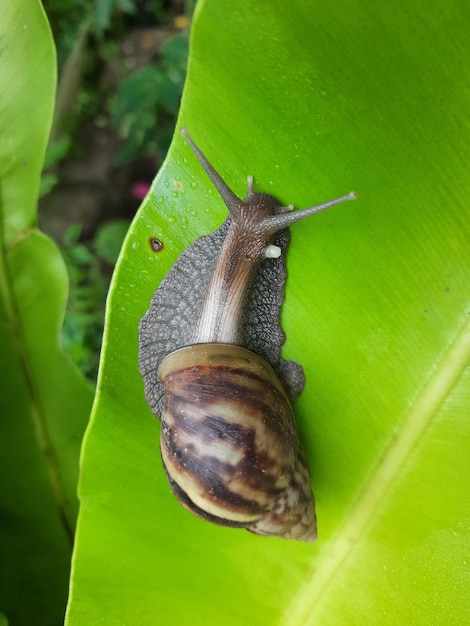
(156, 244)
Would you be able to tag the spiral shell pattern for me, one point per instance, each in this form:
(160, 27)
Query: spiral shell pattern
(229, 442)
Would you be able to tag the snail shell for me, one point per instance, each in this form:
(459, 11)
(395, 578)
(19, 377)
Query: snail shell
(229, 443)
(209, 355)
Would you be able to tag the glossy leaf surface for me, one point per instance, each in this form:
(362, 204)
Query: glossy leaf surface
(313, 100)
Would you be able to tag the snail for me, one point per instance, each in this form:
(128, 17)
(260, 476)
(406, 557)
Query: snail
(210, 358)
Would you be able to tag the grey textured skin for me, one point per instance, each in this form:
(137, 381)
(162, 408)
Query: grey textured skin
(175, 307)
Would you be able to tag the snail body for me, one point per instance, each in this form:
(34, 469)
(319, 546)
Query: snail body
(210, 357)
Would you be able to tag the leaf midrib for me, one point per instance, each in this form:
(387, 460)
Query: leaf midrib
(306, 605)
(38, 418)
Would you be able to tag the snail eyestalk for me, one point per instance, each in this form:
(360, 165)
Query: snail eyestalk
(275, 223)
(231, 200)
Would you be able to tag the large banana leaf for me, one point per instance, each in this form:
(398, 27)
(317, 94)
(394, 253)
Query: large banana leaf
(44, 401)
(314, 99)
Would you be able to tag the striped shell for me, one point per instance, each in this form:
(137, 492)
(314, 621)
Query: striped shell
(229, 442)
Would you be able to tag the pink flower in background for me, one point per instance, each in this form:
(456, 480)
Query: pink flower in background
(140, 189)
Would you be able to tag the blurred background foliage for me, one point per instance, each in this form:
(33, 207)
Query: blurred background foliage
(111, 56)
(122, 66)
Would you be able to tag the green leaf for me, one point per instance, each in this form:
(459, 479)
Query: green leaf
(102, 14)
(148, 101)
(44, 401)
(109, 238)
(313, 99)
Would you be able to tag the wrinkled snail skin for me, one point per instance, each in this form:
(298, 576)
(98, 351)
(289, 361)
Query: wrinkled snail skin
(210, 357)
